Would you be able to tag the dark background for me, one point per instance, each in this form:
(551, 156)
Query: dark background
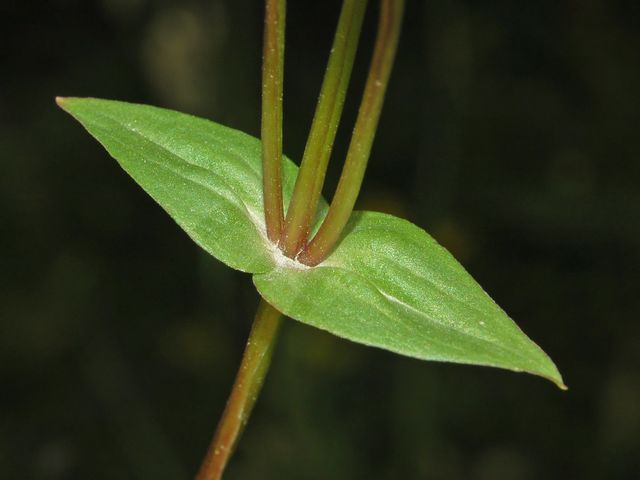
(510, 133)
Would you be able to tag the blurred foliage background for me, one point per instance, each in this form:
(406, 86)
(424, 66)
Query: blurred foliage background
(510, 132)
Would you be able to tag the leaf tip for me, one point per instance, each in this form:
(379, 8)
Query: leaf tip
(556, 378)
(65, 102)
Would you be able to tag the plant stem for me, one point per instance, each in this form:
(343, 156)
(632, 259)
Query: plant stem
(272, 86)
(363, 134)
(308, 188)
(249, 380)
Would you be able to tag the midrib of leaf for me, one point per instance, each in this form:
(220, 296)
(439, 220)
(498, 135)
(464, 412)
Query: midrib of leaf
(458, 329)
(442, 286)
(229, 194)
(455, 353)
(417, 276)
(397, 301)
(255, 215)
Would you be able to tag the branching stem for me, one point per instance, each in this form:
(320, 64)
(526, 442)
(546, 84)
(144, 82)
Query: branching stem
(308, 188)
(257, 355)
(363, 134)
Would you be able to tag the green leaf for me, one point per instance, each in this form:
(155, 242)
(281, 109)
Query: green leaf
(390, 285)
(206, 176)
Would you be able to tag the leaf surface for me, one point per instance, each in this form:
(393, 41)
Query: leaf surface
(389, 284)
(206, 176)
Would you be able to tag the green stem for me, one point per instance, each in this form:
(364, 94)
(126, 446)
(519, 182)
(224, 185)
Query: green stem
(249, 380)
(308, 188)
(272, 86)
(363, 134)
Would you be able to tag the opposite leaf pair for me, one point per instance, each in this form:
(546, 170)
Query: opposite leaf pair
(388, 284)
